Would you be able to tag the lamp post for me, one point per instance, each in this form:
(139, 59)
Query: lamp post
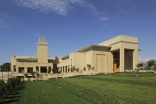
(8, 72)
(2, 73)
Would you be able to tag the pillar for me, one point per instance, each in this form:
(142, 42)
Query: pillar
(135, 58)
(25, 70)
(39, 69)
(17, 70)
(47, 69)
(122, 59)
(61, 70)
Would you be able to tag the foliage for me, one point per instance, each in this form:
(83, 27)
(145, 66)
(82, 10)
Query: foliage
(77, 69)
(92, 68)
(26, 74)
(68, 69)
(139, 65)
(32, 73)
(2, 88)
(6, 66)
(88, 66)
(154, 67)
(37, 74)
(98, 89)
(11, 83)
(151, 63)
(56, 70)
(49, 70)
(84, 68)
(73, 69)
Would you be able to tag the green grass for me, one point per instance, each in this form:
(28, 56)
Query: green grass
(119, 88)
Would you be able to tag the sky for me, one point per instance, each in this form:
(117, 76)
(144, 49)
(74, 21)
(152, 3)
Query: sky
(72, 24)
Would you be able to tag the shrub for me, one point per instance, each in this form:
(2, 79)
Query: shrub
(12, 82)
(2, 88)
(151, 63)
(88, 66)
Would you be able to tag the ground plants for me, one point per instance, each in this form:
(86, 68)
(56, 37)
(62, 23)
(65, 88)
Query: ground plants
(118, 88)
(10, 85)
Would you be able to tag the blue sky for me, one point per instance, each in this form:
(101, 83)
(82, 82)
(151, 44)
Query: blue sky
(72, 24)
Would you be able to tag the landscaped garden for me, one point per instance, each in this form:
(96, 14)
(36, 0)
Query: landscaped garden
(118, 88)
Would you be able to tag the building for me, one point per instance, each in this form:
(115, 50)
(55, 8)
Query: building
(40, 62)
(114, 55)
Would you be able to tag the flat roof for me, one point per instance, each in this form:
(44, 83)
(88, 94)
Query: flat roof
(92, 46)
(89, 47)
(26, 60)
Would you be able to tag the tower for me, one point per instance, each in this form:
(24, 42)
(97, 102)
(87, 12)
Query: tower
(42, 50)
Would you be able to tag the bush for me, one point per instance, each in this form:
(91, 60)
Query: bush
(2, 88)
(12, 82)
(151, 63)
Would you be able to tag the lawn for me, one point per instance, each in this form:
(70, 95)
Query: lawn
(119, 88)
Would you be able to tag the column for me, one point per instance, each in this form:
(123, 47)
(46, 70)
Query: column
(25, 70)
(17, 70)
(122, 61)
(68, 68)
(39, 69)
(61, 70)
(47, 69)
(135, 58)
(12, 68)
(34, 68)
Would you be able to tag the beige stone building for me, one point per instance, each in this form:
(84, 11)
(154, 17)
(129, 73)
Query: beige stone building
(40, 62)
(114, 55)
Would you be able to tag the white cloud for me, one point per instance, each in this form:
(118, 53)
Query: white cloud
(104, 18)
(146, 59)
(61, 7)
(58, 6)
(5, 20)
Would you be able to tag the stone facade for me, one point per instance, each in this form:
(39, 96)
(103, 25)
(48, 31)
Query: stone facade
(40, 63)
(114, 55)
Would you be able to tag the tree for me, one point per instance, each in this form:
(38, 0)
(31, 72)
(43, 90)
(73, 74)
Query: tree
(92, 68)
(151, 63)
(73, 69)
(49, 70)
(139, 65)
(2, 88)
(32, 73)
(155, 67)
(77, 69)
(26, 74)
(6, 66)
(84, 68)
(88, 66)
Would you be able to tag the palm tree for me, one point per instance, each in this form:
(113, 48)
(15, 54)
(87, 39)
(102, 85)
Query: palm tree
(84, 68)
(92, 68)
(26, 74)
(32, 73)
(88, 66)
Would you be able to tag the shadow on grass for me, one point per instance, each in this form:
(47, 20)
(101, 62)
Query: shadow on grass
(14, 95)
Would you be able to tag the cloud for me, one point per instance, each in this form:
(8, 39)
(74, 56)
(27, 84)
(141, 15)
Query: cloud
(59, 6)
(62, 7)
(146, 59)
(5, 20)
(104, 18)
